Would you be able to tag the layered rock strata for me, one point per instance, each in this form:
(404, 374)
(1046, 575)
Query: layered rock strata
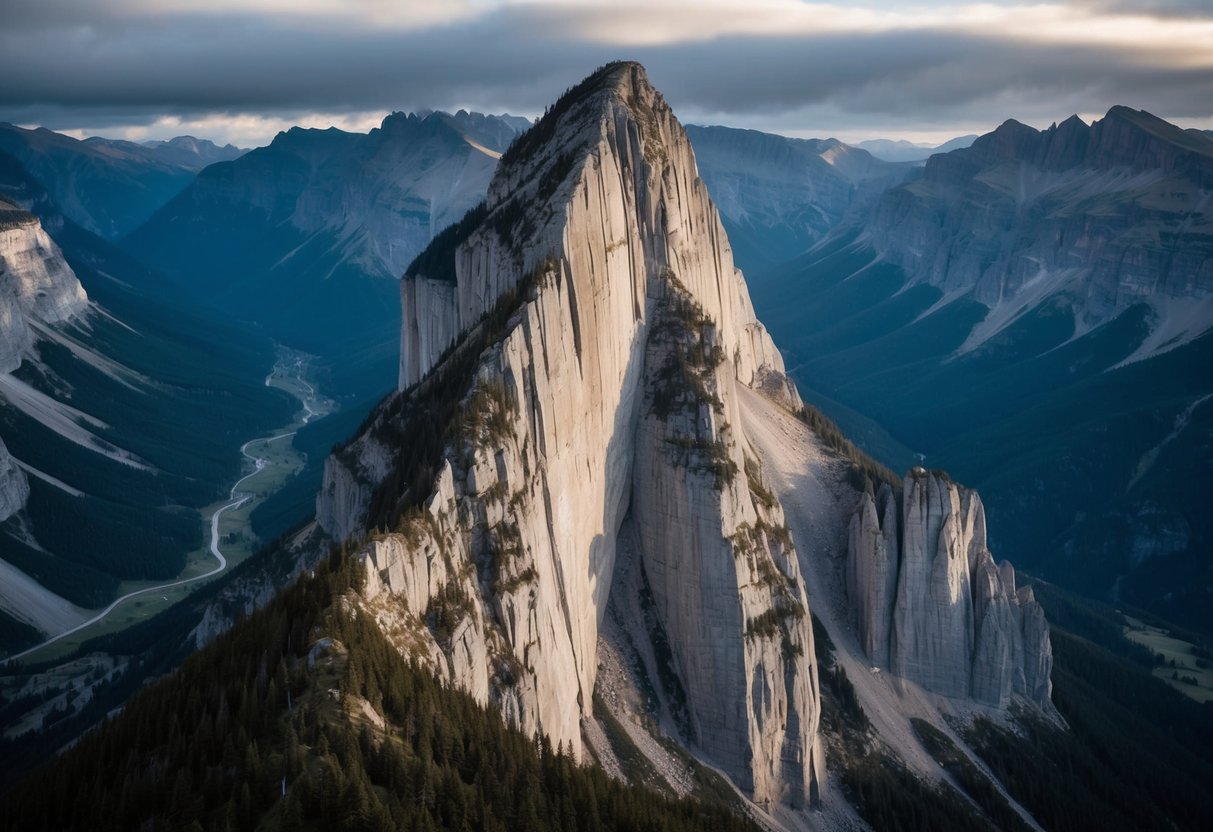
(933, 607)
(1106, 215)
(36, 284)
(590, 322)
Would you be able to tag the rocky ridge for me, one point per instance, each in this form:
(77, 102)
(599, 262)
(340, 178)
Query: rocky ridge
(14, 486)
(587, 329)
(930, 603)
(109, 186)
(1104, 216)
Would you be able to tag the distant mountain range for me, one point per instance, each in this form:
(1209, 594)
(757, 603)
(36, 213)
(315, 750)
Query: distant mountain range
(307, 235)
(1034, 313)
(778, 196)
(900, 150)
(1004, 271)
(109, 186)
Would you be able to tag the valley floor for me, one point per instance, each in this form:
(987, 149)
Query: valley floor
(230, 537)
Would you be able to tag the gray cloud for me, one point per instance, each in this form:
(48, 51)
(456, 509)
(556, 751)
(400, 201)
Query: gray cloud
(78, 63)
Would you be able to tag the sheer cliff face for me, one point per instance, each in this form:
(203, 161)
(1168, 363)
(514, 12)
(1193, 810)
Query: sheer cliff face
(932, 606)
(1105, 215)
(601, 328)
(36, 284)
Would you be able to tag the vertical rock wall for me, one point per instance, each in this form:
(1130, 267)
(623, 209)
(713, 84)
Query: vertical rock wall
(36, 283)
(503, 579)
(932, 606)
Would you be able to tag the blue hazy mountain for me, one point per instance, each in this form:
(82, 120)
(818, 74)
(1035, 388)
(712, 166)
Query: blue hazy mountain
(900, 150)
(306, 237)
(109, 186)
(778, 196)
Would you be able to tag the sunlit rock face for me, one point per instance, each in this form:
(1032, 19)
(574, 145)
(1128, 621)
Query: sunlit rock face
(593, 326)
(36, 284)
(933, 607)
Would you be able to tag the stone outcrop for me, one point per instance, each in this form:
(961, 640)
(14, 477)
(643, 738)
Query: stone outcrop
(36, 284)
(930, 603)
(585, 330)
(14, 486)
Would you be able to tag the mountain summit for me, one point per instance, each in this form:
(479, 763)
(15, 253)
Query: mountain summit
(589, 318)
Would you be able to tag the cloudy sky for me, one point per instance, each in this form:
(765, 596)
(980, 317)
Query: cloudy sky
(241, 70)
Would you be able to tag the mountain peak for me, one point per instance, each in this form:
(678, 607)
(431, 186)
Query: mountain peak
(532, 170)
(591, 308)
(610, 81)
(1121, 121)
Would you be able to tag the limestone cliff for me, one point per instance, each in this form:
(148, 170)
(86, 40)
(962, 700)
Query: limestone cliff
(36, 283)
(569, 360)
(930, 603)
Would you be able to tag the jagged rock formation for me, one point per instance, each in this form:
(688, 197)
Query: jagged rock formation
(36, 286)
(930, 603)
(1027, 282)
(36, 283)
(1106, 215)
(586, 329)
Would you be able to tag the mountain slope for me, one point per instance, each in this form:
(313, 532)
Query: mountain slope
(122, 416)
(601, 408)
(1050, 291)
(778, 196)
(107, 186)
(306, 236)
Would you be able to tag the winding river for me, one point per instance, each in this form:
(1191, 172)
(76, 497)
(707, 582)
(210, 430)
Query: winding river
(288, 375)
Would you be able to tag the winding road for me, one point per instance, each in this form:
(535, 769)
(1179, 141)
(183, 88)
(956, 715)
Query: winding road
(292, 368)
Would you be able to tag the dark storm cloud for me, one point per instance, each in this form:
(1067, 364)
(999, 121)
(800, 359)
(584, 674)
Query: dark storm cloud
(1164, 8)
(918, 73)
(101, 65)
